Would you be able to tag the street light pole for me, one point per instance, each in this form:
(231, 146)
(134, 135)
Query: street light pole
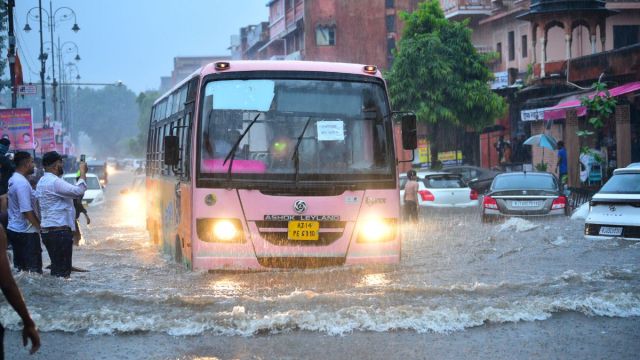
(43, 61)
(54, 97)
(51, 18)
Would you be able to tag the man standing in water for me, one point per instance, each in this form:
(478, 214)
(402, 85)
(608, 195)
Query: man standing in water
(58, 220)
(24, 226)
(13, 296)
(411, 197)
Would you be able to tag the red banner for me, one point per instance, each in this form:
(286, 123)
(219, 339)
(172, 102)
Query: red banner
(45, 140)
(17, 126)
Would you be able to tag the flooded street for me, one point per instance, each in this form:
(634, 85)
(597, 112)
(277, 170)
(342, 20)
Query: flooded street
(458, 278)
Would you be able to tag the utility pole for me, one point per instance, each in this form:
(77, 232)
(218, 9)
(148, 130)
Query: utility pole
(54, 97)
(12, 55)
(43, 61)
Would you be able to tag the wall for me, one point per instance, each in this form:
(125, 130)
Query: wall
(360, 31)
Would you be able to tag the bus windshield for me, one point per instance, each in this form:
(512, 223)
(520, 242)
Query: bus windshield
(338, 127)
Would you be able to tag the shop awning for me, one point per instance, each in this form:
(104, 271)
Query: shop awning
(559, 111)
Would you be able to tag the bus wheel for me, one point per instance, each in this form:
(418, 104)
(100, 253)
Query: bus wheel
(178, 256)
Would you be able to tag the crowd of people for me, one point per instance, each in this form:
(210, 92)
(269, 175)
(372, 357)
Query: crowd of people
(34, 212)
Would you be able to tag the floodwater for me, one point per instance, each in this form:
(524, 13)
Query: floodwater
(455, 273)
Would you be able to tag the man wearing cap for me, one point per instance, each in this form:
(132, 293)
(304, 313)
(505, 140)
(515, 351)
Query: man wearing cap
(55, 197)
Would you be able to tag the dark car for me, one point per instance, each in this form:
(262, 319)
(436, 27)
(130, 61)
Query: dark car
(99, 168)
(524, 194)
(479, 179)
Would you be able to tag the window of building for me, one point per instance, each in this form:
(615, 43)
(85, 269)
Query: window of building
(499, 51)
(625, 35)
(512, 45)
(524, 46)
(325, 35)
(389, 4)
(391, 23)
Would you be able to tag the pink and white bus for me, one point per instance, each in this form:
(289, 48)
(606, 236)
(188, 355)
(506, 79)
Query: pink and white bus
(262, 164)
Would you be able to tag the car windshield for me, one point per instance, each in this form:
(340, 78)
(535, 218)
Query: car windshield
(443, 182)
(525, 182)
(338, 127)
(622, 184)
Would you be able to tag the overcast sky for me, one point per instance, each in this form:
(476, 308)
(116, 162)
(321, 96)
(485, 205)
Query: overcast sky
(135, 41)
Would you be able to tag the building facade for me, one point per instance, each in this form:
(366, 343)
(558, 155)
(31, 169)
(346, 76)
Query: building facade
(184, 66)
(549, 52)
(358, 31)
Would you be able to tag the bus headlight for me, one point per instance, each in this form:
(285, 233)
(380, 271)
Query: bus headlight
(224, 230)
(220, 230)
(376, 230)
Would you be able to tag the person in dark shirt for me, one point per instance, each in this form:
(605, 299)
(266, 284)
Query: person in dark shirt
(561, 167)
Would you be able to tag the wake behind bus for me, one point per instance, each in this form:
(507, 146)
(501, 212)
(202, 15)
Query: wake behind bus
(275, 164)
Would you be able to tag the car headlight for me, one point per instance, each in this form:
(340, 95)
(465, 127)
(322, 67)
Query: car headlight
(376, 230)
(220, 230)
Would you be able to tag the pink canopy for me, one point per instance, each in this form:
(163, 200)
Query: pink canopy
(558, 111)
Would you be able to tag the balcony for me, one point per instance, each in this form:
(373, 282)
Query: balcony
(288, 23)
(258, 35)
(462, 9)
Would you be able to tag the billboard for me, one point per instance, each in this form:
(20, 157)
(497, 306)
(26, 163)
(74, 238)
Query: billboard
(44, 140)
(17, 126)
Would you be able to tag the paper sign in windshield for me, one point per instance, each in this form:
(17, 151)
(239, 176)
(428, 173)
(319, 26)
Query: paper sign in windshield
(330, 130)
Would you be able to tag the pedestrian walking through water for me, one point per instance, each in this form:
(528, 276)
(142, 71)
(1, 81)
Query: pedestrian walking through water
(24, 226)
(58, 217)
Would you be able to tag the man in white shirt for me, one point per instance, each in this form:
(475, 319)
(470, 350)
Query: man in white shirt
(55, 197)
(23, 230)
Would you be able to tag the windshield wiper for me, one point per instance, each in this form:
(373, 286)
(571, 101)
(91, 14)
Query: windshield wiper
(232, 153)
(296, 154)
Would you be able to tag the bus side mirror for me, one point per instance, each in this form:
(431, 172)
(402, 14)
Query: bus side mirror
(171, 150)
(409, 132)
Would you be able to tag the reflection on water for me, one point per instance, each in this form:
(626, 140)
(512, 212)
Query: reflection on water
(374, 280)
(225, 287)
(455, 273)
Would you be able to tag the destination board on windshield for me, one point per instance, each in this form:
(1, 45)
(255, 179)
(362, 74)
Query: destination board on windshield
(304, 230)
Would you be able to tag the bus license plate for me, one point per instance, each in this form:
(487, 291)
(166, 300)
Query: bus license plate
(304, 230)
(610, 231)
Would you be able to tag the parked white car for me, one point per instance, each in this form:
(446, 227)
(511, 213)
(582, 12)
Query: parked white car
(94, 194)
(614, 212)
(441, 190)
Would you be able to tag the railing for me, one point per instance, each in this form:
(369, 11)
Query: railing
(469, 7)
(579, 196)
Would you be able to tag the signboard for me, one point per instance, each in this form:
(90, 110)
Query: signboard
(501, 80)
(330, 130)
(423, 151)
(17, 126)
(27, 90)
(532, 114)
(45, 140)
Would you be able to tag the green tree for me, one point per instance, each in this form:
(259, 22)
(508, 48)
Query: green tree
(438, 73)
(107, 115)
(145, 100)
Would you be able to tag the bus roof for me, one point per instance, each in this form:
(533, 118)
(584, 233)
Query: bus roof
(284, 65)
(274, 65)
